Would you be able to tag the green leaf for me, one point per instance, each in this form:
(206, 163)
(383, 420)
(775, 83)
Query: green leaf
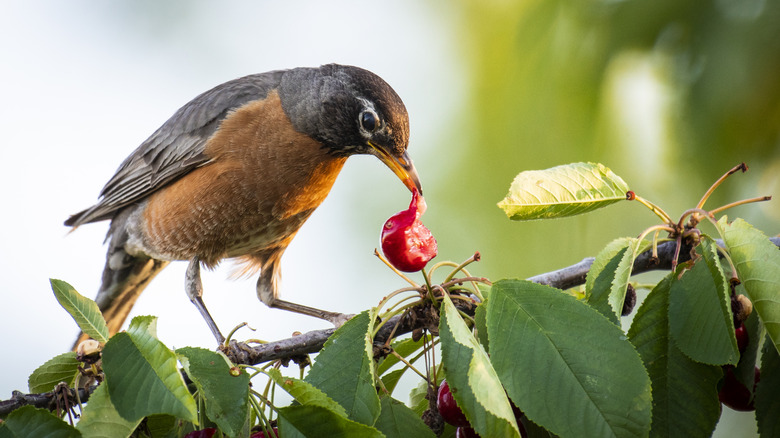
(685, 399)
(226, 395)
(164, 426)
(473, 381)
(555, 354)
(143, 326)
(398, 421)
(305, 393)
(100, 418)
(608, 278)
(417, 399)
(562, 191)
(700, 316)
(390, 380)
(29, 421)
(344, 369)
(480, 326)
(601, 275)
(62, 368)
(142, 376)
(767, 401)
(316, 421)
(757, 261)
(83, 310)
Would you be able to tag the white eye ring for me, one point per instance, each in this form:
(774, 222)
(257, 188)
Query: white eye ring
(368, 120)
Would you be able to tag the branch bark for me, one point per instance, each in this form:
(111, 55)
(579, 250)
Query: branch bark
(46, 400)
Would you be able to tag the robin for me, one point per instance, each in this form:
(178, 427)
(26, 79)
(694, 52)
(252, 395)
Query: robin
(235, 173)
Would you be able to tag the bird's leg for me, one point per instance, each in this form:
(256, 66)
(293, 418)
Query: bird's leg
(194, 288)
(335, 318)
(267, 291)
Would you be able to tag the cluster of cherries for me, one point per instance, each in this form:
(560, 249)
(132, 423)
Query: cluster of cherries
(734, 393)
(452, 414)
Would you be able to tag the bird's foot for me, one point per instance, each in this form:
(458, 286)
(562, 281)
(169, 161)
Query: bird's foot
(237, 351)
(338, 319)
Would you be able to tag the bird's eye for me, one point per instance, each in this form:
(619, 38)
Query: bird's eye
(369, 120)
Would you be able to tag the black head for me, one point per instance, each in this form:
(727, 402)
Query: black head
(350, 111)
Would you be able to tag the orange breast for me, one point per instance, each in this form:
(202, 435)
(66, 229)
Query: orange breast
(262, 182)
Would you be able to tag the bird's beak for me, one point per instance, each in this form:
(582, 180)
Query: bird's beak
(402, 166)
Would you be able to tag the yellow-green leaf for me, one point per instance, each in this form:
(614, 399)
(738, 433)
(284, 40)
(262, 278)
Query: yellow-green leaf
(83, 310)
(562, 191)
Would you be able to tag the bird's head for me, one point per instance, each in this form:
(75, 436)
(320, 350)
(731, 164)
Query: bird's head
(351, 111)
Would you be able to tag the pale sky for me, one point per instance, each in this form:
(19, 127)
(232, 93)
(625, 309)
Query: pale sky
(84, 83)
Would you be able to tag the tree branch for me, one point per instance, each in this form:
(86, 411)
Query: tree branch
(46, 400)
(565, 278)
(419, 317)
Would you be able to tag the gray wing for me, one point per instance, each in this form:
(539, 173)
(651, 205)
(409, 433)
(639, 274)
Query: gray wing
(176, 147)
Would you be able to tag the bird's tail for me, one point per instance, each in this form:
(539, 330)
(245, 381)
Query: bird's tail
(124, 278)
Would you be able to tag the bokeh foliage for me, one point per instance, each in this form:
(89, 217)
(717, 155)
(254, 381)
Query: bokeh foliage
(670, 94)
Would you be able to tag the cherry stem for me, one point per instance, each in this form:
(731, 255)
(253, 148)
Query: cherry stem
(655, 244)
(265, 402)
(742, 166)
(410, 297)
(470, 260)
(657, 229)
(391, 313)
(428, 346)
(451, 283)
(232, 332)
(442, 264)
(408, 364)
(655, 209)
(400, 274)
(676, 251)
(695, 219)
(462, 268)
(430, 363)
(742, 202)
(392, 332)
(427, 279)
(392, 295)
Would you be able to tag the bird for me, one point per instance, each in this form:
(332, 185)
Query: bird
(235, 173)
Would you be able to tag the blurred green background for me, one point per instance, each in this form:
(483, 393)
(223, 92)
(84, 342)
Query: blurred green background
(669, 94)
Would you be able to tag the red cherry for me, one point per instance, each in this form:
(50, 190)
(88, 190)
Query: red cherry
(742, 337)
(465, 432)
(734, 394)
(448, 408)
(261, 434)
(406, 242)
(204, 433)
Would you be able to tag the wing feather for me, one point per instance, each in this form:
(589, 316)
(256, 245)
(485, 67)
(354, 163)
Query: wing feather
(176, 147)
